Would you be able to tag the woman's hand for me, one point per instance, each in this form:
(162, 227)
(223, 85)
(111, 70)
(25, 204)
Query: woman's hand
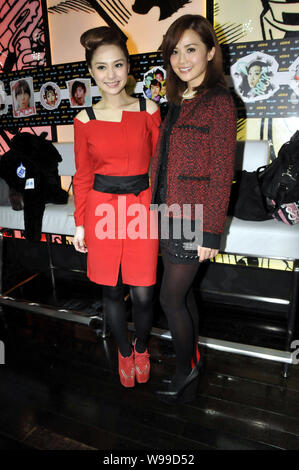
(206, 253)
(78, 240)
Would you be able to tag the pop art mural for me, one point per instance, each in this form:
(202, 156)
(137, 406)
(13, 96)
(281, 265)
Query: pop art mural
(22, 36)
(256, 20)
(143, 22)
(264, 21)
(279, 19)
(23, 45)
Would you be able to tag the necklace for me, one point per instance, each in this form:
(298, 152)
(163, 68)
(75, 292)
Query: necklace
(188, 95)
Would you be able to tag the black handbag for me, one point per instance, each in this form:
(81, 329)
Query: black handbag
(246, 201)
(279, 181)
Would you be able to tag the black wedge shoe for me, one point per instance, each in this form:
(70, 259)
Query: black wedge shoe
(200, 365)
(185, 393)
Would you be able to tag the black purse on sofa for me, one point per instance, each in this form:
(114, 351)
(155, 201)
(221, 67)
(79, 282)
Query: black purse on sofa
(246, 201)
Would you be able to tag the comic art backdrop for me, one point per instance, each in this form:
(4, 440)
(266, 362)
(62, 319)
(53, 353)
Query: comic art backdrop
(24, 44)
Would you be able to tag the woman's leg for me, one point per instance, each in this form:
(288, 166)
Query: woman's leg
(142, 298)
(115, 311)
(142, 316)
(178, 303)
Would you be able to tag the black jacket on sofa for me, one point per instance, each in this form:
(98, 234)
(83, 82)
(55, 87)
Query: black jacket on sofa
(30, 168)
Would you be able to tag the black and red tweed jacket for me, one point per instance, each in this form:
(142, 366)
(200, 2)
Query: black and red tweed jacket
(201, 159)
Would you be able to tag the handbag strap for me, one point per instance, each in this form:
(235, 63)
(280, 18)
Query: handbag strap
(280, 194)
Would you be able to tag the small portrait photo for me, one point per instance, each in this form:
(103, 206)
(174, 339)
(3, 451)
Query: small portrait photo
(3, 100)
(254, 77)
(50, 95)
(22, 94)
(79, 92)
(294, 76)
(154, 84)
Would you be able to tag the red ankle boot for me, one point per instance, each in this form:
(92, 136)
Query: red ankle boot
(126, 369)
(142, 365)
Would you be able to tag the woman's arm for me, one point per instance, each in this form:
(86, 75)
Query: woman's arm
(153, 122)
(83, 178)
(223, 131)
(82, 182)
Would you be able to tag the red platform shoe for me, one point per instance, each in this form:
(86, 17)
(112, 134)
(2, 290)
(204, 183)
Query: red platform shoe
(126, 369)
(142, 365)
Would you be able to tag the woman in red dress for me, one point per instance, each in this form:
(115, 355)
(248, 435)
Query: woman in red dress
(114, 141)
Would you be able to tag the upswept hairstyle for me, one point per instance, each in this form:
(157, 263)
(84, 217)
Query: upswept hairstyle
(214, 73)
(95, 37)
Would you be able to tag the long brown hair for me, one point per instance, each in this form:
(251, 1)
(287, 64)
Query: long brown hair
(101, 36)
(214, 73)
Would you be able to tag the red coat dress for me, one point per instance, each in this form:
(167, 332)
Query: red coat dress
(117, 149)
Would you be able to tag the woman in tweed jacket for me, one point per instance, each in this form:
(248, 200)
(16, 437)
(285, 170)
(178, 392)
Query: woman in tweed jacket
(193, 166)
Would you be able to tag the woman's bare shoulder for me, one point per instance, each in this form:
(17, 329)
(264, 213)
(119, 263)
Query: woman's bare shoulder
(82, 116)
(151, 106)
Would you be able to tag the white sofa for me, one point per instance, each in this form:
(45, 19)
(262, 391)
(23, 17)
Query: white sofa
(268, 239)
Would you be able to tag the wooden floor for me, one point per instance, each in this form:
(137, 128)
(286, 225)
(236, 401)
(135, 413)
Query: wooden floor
(59, 390)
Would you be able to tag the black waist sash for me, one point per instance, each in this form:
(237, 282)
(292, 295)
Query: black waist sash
(121, 184)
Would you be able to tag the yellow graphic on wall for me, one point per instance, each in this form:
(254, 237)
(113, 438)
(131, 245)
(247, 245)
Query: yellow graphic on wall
(239, 22)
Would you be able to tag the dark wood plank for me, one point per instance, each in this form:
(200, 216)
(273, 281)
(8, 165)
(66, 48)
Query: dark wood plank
(61, 381)
(189, 422)
(43, 439)
(115, 416)
(7, 443)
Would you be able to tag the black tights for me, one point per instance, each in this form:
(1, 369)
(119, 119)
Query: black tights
(115, 311)
(178, 302)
